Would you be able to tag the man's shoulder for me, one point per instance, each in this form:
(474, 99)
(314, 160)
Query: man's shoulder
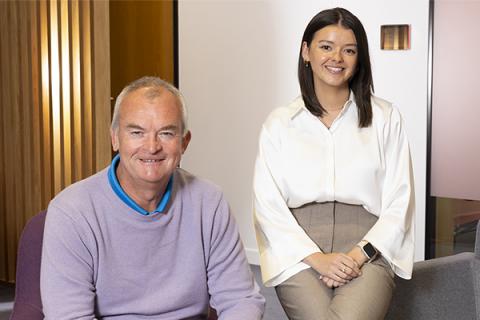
(81, 192)
(195, 184)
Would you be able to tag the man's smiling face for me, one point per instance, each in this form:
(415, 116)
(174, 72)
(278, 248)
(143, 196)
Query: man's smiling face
(149, 138)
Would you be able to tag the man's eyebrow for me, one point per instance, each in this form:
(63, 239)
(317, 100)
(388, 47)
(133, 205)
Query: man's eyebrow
(133, 126)
(169, 127)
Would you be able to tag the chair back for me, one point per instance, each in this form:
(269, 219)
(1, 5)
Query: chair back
(477, 241)
(28, 305)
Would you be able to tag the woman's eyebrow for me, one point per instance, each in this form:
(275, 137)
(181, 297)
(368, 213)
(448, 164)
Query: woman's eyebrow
(331, 42)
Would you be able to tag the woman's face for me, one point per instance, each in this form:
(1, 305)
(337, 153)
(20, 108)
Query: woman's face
(332, 55)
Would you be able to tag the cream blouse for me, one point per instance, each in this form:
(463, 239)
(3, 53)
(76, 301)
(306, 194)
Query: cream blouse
(301, 161)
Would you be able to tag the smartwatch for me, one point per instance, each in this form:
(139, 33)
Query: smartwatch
(368, 250)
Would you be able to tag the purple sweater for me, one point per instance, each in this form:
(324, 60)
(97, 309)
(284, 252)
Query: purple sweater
(101, 259)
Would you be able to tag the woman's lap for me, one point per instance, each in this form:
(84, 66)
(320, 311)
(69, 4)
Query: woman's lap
(305, 297)
(337, 227)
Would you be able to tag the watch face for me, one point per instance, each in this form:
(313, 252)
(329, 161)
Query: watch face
(369, 250)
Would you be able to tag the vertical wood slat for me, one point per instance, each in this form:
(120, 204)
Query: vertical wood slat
(87, 108)
(3, 102)
(55, 70)
(101, 74)
(9, 133)
(64, 41)
(77, 121)
(46, 146)
(25, 121)
(52, 107)
(35, 103)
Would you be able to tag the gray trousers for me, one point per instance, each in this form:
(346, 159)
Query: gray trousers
(337, 227)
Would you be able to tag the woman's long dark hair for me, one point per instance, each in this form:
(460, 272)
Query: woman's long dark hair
(361, 83)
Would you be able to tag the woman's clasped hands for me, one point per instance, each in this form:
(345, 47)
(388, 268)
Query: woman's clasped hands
(335, 269)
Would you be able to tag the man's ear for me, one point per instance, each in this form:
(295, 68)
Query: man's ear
(186, 140)
(114, 137)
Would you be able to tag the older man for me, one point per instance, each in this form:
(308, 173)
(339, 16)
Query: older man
(143, 239)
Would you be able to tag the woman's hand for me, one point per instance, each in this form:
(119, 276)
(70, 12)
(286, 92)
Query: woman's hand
(338, 267)
(330, 283)
(357, 255)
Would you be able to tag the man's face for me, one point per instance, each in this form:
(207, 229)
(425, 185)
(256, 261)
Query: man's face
(149, 140)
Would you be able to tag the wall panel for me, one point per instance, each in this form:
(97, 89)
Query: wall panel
(141, 39)
(455, 169)
(55, 107)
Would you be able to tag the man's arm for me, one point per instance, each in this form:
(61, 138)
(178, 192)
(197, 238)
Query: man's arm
(234, 292)
(66, 276)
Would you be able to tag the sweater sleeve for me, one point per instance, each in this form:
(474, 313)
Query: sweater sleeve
(66, 278)
(233, 290)
(393, 233)
(282, 243)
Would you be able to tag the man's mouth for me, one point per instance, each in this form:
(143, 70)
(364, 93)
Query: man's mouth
(151, 160)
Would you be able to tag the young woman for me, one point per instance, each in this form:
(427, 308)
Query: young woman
(333, 183)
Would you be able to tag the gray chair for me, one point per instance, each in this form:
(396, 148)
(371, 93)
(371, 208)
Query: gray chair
(441, 288)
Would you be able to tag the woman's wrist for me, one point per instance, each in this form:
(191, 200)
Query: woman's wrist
(313, 260)
(357, 255)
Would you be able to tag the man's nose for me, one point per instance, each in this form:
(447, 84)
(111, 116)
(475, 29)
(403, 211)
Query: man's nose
(153, 144)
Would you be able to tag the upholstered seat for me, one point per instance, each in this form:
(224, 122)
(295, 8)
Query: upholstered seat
(441, 289)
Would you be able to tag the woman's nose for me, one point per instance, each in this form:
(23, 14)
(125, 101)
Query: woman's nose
(337, 56)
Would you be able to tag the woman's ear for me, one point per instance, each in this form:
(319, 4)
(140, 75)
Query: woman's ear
(305, 52)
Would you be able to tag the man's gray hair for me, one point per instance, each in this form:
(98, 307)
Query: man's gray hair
(155, 86)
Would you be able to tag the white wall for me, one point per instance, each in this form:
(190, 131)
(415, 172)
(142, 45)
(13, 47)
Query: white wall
(237, 61)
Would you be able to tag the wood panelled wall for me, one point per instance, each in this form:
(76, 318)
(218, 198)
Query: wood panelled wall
(55, 107)
(141, 41)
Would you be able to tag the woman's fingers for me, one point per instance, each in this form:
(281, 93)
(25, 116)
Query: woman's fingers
(331, 283)
(348, 266)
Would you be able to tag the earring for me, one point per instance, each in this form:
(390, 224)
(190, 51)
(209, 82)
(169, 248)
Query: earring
(306, 64)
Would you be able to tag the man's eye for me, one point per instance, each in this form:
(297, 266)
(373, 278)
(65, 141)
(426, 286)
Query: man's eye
(166, 135)
(136, 133)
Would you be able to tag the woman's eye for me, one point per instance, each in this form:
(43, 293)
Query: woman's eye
(325, 47)
(350, 51)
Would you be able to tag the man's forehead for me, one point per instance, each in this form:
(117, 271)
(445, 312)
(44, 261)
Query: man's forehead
(150, 95)
(139, 106)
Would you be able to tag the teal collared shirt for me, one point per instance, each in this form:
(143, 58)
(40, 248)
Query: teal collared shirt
(112, 178)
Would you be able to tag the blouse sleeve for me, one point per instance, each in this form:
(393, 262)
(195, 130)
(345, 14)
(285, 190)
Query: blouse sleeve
(393, 233)
(282, 242)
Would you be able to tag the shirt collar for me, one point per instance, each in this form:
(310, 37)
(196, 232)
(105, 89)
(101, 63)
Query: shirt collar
(117, 188)
(298, 106)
